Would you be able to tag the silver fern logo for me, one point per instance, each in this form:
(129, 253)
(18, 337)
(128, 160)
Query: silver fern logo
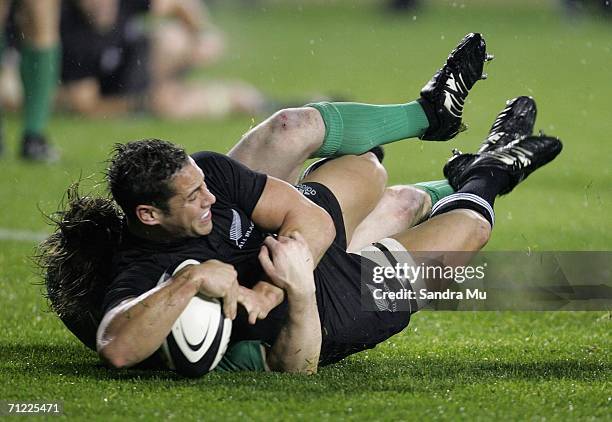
(236, 228)
(235, 233)
(381, 303)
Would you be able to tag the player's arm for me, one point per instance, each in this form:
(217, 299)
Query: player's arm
(281, 208)
(133, 330)
(289, 264)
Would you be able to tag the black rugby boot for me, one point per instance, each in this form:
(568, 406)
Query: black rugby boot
(513, 122)
(36, 148)
(518, 159)
(444, 95)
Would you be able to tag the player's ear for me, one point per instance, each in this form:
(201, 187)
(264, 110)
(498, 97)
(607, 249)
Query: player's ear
(148, 214)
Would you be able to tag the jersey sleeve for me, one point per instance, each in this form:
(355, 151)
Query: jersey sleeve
(232, 180)
(131, 283)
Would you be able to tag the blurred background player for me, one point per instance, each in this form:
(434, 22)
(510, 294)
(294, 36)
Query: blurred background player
(115, 61)
(38, 42)
(130, 56)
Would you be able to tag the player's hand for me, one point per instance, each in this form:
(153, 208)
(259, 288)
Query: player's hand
(218, 279)
(289, 264)
(256, 304)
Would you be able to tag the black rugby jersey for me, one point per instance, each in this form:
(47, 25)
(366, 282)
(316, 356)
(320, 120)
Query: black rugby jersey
(346, 326)
(139, 263)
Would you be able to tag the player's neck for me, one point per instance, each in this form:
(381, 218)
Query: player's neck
(153, 233)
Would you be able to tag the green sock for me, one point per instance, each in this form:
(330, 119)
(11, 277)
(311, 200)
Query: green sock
(354, 128)
(436, 189)
(39, 75)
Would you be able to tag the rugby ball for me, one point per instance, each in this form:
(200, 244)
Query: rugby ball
(200, 335)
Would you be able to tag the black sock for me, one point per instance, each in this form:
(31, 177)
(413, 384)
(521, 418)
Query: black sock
(487, 184)
(477, 194)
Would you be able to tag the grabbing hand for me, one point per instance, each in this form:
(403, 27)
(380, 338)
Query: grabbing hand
(289, 264)
(255, 303)
(217, 279)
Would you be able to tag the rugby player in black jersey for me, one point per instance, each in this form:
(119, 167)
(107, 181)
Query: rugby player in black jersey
(211, 208)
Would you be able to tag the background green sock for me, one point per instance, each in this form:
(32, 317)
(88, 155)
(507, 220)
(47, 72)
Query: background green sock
(436, 189)
(39, 76)
(354, 128)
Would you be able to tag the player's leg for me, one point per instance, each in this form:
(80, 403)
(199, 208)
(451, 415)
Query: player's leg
(403, 206)
(462, 221)
(400, 207)
(4, 10)
(39, 22)
(204, 100)
(357, 182)
(279, 145)
(353, 128)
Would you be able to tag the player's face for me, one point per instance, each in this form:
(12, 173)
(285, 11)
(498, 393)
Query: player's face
(190, 212)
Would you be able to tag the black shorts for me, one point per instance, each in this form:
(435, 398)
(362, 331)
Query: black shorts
(119, 63)
(346, 327)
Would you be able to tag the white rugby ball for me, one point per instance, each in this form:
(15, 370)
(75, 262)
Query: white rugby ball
(200, 335)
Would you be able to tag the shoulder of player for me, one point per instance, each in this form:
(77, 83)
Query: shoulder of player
(213, 162)
(144, 263)
(206, 157)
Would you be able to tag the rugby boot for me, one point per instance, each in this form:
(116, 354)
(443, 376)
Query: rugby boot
(513, 122)
(518, 159)
(36, 148)
(378, 151)
(444, 95)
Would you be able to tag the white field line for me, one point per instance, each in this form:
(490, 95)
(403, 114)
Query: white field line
(22, 235)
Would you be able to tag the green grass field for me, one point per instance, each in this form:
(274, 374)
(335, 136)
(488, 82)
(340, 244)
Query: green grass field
(521, 366)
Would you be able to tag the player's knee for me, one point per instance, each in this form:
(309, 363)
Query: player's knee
(373, 175)
(293, 128)
(481, 229)
(374, 170)
(409, 201)
(287, 120)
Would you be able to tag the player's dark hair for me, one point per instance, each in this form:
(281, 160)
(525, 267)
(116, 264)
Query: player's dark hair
(140, 172)
(75, 259)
